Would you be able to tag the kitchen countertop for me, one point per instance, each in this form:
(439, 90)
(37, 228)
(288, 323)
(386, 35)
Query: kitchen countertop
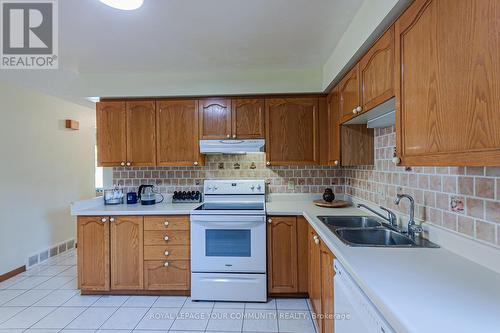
(415, 289)
(96, 207)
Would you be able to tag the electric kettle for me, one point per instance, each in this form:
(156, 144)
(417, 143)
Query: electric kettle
(147, 195)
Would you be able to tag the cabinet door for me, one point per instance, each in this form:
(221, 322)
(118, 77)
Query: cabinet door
(333, 136)
(167, 275)
(448, 83)
(327, 274)
(315, 275)
(111, 125)
(177, 133)
(357, 145)
(376, 72)
(282, 254)
(292, 131)
(215, 118)
(93, 253)
(248, 118)
(127, 248)
(141, 136)
(349, 93)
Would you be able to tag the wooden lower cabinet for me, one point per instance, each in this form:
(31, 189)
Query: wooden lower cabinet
(287, 255)
(122, 254)
(315, 275)
(167, 265)
(93, 253)
(167, 275)
(327, 275)
(127, 259)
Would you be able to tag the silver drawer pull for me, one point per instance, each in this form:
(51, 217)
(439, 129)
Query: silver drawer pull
(166, 238)
(167, 253)
(165, 223)
(166, 264)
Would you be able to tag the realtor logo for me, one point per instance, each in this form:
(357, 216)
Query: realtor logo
(29, 34)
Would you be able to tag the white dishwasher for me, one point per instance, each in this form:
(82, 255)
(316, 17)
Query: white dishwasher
(354, 312)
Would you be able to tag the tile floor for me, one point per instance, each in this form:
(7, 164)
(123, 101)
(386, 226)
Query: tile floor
(46, 300)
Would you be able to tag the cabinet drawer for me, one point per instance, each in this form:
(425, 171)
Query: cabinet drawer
(166, 222)
(174, 276)
(175, 237)
(166, 252)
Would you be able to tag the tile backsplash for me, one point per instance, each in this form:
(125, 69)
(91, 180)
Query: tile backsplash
(462, 199)
(280, 179)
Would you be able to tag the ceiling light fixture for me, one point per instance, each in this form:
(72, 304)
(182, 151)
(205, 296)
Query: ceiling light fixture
(123, 4)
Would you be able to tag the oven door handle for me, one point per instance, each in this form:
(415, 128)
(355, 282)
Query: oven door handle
(224, 219)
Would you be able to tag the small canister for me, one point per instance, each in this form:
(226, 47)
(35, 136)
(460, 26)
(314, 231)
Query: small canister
(131, 198)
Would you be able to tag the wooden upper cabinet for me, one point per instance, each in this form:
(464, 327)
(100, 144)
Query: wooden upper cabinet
(448, 83)
(111, 122)
(349, 94)
(127, 248)
(376, 72)
(248, 118)
(215, 118)
(141, 136)
(93, 253)
(282, 254)
(333, 121)
(177, 133)
(292, 131)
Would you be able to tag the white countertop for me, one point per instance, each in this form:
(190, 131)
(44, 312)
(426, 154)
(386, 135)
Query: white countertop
(96, 207)
(416, 289)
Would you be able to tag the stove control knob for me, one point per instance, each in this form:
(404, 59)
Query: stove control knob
(209, 188)
(215, 188)
(252, 187)
(259, 187)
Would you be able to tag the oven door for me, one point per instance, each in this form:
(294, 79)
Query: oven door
(228, 243)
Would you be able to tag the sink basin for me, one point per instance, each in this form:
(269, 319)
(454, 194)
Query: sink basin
(334, 222)
(374, 237)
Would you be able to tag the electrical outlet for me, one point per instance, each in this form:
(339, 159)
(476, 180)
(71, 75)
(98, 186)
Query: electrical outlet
(291, 185)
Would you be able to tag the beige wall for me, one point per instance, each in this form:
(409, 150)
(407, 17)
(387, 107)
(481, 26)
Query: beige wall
(44, 167)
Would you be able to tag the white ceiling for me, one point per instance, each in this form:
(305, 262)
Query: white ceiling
(105, 52)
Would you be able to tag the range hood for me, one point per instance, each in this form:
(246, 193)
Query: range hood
(380, 116)
(232, 147)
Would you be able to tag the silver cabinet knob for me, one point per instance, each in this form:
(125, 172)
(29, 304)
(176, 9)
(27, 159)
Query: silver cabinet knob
(103, 220)
(112, 219)
(269, 220)
(166, 238)
(396, 160)
(166, 264)
(165, 223)
(234, 136)
(228, 136)
(359, 109)
(122, 163)
(167, 253)
(336, 162)
(129, 164)
(268, 163)
(354, 111)
(195, 163)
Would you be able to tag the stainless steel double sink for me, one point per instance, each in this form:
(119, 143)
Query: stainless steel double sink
(370, 231)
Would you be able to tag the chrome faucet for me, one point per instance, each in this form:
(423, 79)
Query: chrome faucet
(391, 217)
(413, 228)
